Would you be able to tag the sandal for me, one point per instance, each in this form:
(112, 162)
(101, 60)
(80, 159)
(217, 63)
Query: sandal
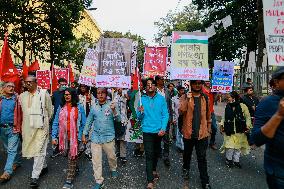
(156, 176)
(150, 185)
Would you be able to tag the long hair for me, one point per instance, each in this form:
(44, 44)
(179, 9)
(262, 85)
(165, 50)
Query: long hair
(74, 97)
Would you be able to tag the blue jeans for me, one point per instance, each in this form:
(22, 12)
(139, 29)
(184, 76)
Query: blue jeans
(11, 143)
(213, 129)
(274, 182)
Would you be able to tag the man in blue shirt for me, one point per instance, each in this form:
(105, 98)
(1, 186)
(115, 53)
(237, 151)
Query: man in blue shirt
(269, 130)
(154, 115)
(100, 123)
(9, 133)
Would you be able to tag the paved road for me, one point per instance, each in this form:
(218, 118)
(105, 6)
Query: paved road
(132, 175)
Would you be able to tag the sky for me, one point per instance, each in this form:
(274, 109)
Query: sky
(136, 16)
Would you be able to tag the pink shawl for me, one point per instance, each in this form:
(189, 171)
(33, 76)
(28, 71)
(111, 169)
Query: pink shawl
(63, 136)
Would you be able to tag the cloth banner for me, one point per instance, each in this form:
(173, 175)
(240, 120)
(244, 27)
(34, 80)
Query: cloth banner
(89, 69)
(274, 31)
(43, 78)
(133, 134)
(223, 74)
(189, 56)
(114, 62)
(155, 61)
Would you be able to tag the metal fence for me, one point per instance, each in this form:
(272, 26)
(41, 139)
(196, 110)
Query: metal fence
(260, 77)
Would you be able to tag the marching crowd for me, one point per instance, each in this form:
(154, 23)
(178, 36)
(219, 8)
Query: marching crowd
(85, 120)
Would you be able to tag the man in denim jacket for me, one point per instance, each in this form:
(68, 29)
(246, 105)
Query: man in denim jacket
(100, 125)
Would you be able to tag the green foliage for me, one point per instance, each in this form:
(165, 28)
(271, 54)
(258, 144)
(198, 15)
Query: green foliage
(134, 37)
(41, 25)
(227, 43)
(186, 20)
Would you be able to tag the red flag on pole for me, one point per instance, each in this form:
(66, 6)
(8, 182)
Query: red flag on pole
(8, 70)
(25, 70)
(71, 74)
(135, 79)
(34, 66)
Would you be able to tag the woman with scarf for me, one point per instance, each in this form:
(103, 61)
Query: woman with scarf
(235, 124)
(68, 127)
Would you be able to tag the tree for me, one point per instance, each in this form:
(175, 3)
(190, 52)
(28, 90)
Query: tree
(186, 20)
(134, 37)
(227, 43)
(41, 25)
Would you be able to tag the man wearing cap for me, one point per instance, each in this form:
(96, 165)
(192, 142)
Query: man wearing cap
(269, 130)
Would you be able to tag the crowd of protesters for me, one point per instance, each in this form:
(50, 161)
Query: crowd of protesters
(90, 121)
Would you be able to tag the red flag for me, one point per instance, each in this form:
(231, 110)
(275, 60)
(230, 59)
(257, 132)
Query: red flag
(8, 71)
(71, 74)
(25, 70)
(54, 80)
(34, 66)
(135, 78)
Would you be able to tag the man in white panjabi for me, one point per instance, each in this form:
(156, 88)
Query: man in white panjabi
(37, 111)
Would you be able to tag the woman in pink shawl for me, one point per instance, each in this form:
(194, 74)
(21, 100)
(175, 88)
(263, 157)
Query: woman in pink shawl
(67, 129)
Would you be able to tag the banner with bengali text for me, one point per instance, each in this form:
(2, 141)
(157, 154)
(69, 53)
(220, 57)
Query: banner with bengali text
(89, 69)
(114, 62)
(43, 78)
(223, 75)
(189, 56)
(273, 16)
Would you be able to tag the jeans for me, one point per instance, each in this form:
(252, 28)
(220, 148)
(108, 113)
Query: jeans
(152, 147)
(274, 182)
(11, 143)
(200, 148)
(213, 129)
(166, 141)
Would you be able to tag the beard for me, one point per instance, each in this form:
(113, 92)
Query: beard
(196, 90)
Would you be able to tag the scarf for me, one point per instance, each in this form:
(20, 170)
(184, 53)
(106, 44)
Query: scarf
(63, 135)
(234, 118)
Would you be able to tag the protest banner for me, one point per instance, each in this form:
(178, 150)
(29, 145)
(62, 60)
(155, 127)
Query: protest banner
(189, 56)
(134, 56)
(223, 74)
(43, 78)
(89, 69)
(274, 31)
(57, 74)
(168, 68)
(155, 61)
(114, 60)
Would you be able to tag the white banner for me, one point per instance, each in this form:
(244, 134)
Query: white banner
(273, 16)
(89, 69)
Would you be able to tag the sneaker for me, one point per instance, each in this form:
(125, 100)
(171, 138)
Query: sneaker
(238, 165)
(156, 176)
(34, 183)
(167, 162)
(5, 177)
(98, 186)
(206, 186)
(185, 174)
(229, 163)
(43, 172)
(68, 185)
(213, 146)
(114, 174)
(150, 185)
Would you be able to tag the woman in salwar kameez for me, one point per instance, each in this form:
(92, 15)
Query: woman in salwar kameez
(235, 124)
